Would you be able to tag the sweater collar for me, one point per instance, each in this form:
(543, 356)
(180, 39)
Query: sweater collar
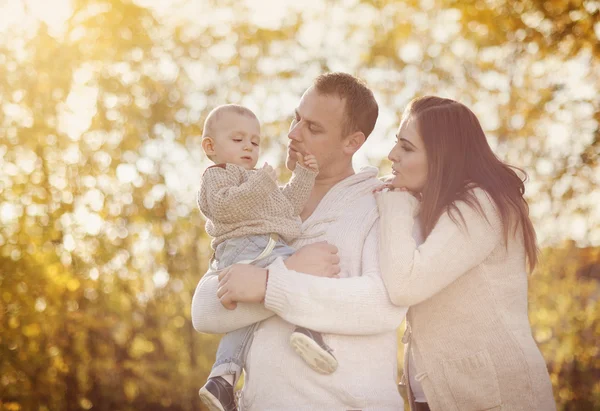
(344, 192)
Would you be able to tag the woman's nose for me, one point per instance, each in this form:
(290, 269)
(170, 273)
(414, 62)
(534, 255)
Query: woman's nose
(393, 156)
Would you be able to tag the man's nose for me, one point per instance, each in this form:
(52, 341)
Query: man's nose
(294, 133)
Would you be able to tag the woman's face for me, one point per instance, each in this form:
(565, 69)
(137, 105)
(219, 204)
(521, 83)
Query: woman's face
(409, 158)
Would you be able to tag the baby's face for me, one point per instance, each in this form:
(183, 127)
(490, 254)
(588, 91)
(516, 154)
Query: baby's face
(237, 140)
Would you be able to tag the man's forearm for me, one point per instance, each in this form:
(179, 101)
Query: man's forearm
(209, 316)
(353, 306)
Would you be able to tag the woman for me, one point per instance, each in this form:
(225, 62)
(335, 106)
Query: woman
(469, 340)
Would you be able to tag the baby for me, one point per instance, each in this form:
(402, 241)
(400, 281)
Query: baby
(251, 220)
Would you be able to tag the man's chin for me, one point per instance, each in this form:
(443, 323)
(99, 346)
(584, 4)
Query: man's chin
(290, 164)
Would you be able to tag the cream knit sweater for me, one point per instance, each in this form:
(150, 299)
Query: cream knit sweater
(354, 312)
(469, 330)
(238, 202)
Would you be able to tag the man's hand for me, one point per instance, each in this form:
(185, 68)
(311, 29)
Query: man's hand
(318, 259)
(270, 171)
(308, 161)
(241, 283)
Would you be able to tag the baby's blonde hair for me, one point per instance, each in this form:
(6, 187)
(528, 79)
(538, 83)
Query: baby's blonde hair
(210, 124)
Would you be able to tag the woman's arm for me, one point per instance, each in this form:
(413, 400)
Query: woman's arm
(413, 274)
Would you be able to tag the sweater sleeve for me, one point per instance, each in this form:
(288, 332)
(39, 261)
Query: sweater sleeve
(298, 190)
(413, 274)
(224, 194)
(352, 306)
(209, 316)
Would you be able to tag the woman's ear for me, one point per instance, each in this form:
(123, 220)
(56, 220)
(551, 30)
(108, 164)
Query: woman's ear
(208, 145)
(353, 142)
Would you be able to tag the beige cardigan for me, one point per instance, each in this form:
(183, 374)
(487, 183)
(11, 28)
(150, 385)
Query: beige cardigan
(468, 325)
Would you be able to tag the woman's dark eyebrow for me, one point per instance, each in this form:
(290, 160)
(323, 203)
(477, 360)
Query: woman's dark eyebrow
(406, 141)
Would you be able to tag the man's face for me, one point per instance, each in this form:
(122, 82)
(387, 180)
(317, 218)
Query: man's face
(317, 130)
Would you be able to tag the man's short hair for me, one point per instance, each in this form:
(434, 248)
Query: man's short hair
(361, 109)
(212, 119)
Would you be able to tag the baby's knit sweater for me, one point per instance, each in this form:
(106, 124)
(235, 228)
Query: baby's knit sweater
(238, 202)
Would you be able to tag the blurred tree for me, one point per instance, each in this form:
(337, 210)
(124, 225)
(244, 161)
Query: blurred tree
(564, 307)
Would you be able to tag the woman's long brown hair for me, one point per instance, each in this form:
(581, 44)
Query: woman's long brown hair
(459, 157)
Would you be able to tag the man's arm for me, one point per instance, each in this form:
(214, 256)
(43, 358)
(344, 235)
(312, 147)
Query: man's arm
(353, 306)
(209, 316)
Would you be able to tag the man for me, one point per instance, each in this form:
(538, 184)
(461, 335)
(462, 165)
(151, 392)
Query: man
(332, 121)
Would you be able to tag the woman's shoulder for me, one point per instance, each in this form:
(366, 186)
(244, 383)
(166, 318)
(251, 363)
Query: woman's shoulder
(474, 191)
(478, 202)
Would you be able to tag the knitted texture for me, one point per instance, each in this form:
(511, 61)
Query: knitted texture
(238, 202)
(469, 331)
(354, 314)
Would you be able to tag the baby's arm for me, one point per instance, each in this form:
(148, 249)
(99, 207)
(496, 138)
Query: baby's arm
(223, 196)
(301, 184)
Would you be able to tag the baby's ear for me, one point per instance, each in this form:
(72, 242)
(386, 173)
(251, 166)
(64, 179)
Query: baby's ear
(208, 145)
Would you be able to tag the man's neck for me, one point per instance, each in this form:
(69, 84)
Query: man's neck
(322, 186)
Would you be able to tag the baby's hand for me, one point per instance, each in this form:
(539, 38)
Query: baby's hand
(270, 171)
(309, 161)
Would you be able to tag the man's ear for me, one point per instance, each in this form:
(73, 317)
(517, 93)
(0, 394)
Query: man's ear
(208, 145)
(353, 142)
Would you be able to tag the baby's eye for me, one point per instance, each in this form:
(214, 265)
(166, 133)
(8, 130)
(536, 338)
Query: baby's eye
(256, 144)
(237, 139)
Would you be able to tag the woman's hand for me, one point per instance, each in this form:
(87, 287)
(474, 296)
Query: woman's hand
(386, 186)
(390, 187)
(318, 259)
(242, 283)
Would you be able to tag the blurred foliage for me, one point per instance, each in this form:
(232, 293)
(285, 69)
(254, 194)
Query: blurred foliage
(101, 246)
